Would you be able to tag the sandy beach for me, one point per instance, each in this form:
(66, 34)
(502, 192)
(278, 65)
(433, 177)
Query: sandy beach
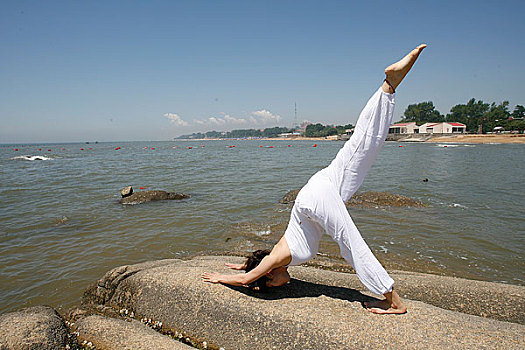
(492, 138)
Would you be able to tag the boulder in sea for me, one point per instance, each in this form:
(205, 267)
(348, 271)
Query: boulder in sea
(372, 199)
(147, 196)
(368, 199)
(289, 197)
(126, 191)
(38, 327)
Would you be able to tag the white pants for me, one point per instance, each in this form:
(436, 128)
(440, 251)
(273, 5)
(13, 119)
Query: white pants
(320, 205)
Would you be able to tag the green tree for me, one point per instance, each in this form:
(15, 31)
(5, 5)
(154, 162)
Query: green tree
(519, 112)
(274, 132)
(496, 115)
(470, 114)
(422, 113)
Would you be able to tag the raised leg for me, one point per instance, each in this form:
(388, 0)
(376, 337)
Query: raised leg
(349, 168)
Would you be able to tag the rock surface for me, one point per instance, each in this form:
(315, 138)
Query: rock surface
(38, 327)
(114, 334)
(369, 199)
(318, 309)
(147, 196)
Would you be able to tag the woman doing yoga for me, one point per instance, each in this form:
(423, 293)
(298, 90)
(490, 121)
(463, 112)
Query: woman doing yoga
(320, 208)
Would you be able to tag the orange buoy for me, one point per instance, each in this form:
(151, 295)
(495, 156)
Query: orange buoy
(63, 149)
(49, 150)
(400, 146)
(142, 188)
(190, 147)
(315, 145)
(289, 145)
(81, 149)
(90, 148)
(116, 149)
(270, 147)
(203, 146)
(16, 149)
(261, 146)
(145, 147)
(152, 147)
(40, 149)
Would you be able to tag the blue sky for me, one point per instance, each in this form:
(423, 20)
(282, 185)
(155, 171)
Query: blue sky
(152, 70)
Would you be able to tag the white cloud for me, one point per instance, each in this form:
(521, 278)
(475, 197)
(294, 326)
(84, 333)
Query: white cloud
(266, 116)
(176, 119)
(227, 119)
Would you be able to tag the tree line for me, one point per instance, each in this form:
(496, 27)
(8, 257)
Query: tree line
(238, 134)
(474, 114)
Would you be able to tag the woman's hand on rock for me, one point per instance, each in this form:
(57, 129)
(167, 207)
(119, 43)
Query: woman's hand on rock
(236, 266)
(212, 277)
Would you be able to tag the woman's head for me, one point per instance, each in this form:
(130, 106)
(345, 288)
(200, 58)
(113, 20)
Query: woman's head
(252, 262)
(274, 278)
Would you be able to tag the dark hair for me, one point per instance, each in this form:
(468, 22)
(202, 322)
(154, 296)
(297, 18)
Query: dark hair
(252, 262)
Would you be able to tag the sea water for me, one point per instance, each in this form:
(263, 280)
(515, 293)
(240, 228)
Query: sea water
(61, 226)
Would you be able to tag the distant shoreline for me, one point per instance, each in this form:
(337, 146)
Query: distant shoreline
(463, 138)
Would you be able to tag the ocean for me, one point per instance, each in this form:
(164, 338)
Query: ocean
(62, 227)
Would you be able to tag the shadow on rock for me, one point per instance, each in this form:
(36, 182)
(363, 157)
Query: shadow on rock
(303, 289)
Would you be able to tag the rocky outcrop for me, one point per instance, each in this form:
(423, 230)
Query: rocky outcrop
(373, 199)
(318, 309)
(369, 199)
(147, 196)
(38, 327)
(116, 334)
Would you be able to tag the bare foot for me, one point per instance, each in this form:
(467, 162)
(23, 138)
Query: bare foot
(392, 304)
(397, 71)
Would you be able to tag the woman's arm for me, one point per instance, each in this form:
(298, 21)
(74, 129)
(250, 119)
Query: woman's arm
(280, 256)
(267, 264)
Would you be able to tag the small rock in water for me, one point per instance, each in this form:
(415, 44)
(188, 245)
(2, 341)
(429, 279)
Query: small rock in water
(126, 191)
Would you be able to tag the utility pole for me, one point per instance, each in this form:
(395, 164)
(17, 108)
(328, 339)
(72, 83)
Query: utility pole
(295, 117)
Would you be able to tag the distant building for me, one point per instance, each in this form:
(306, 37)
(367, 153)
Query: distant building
(442, 128)
(404, 128)
(302, 127)
(290, 134)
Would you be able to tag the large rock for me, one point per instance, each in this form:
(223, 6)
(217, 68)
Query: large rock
(318, 309)
(369, 199)
(147, 196)
(115, 334)
(38, 327)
